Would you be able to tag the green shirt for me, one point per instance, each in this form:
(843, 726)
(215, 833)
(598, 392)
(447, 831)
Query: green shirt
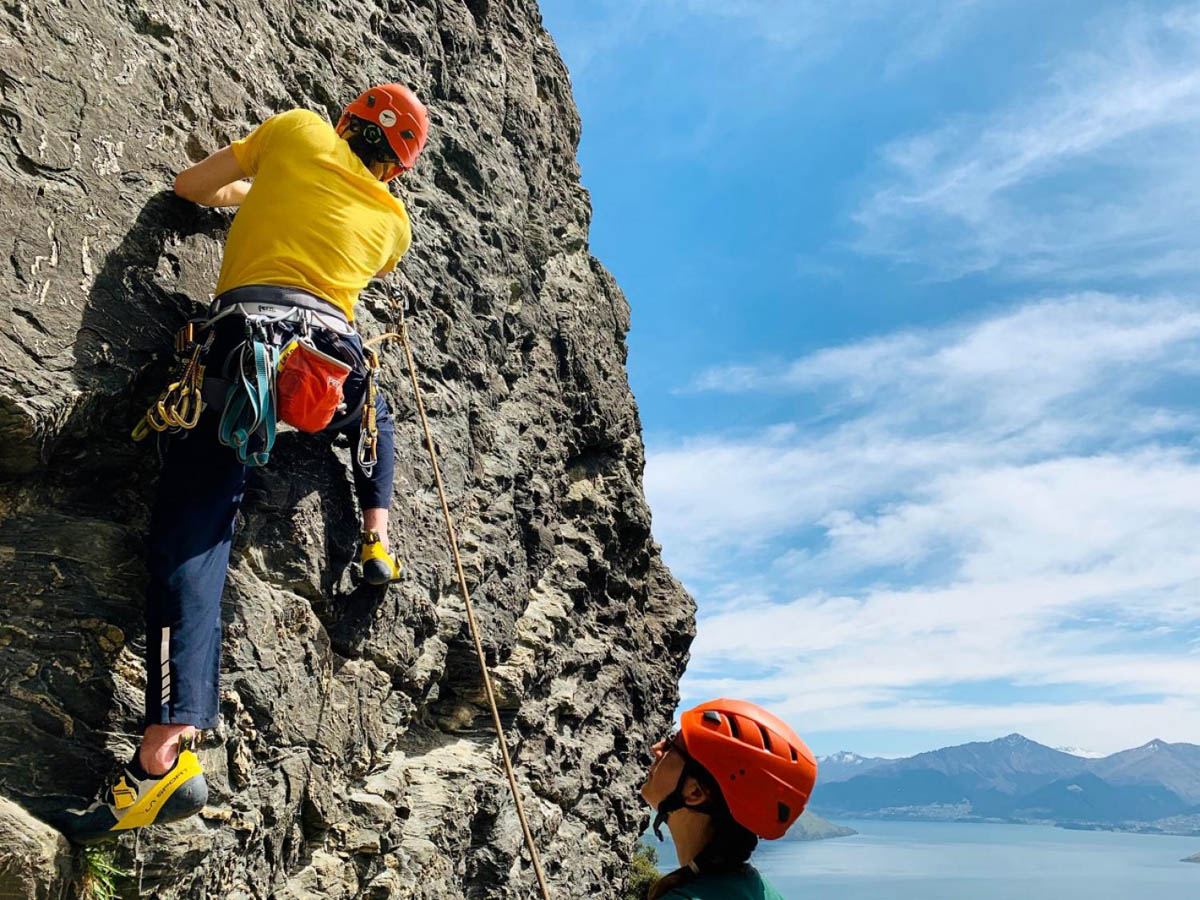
(746, 884)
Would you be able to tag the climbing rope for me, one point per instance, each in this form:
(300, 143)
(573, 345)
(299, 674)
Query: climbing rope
(466, 595)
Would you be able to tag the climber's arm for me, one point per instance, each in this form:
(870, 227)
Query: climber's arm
(216, 181)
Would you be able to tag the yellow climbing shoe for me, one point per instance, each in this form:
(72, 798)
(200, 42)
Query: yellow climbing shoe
(379, 566)
(129, 802)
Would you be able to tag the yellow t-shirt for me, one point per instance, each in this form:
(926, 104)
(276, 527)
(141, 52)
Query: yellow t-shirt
(315, 217)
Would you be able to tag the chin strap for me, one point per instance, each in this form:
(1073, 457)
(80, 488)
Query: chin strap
(674, 801)
(670, 804)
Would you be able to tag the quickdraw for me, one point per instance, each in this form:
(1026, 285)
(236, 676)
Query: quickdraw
(368, 435)
(180, 405)
(368, 432)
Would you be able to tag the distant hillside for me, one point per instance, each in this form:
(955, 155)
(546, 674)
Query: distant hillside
(1174, 766)
(1154, 788)
(811, 827)
(894, 790)
(845, 765)
(1088, 798)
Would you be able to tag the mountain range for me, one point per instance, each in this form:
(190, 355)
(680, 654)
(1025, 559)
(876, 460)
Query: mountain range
(1155, 787)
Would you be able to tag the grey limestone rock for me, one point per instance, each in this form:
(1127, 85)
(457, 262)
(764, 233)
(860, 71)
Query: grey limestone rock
(355, 756)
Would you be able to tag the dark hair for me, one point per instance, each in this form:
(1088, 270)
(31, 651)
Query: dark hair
(730, 847)
(368, 142)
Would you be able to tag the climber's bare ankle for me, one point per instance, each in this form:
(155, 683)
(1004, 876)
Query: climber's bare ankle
(160, 746)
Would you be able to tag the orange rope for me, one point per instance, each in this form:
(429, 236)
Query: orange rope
(474, 625)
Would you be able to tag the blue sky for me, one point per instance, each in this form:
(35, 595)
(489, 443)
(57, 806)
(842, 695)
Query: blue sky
(915, 334)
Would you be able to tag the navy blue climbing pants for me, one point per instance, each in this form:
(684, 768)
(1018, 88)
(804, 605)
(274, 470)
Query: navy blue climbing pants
(191, 532)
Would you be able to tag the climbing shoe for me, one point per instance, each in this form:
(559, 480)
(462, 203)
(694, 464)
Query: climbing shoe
(379, 566)
(128, 802)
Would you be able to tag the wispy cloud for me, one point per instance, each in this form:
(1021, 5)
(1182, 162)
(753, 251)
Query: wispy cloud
(1094, 176)
(1012, 499)
(816, 29)
(596, 31)
(893, 36)
(816, 268)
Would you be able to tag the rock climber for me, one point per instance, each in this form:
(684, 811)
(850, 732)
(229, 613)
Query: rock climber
(317, 222)
(731, 774)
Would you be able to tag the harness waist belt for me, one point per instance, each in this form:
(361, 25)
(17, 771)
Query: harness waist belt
(271, 299)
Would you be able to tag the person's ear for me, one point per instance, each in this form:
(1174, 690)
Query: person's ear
(694, 793)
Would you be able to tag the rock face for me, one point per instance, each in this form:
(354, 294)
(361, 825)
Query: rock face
(35, 860)
(354, 756)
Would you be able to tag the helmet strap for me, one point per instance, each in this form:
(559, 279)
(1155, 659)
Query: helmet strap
(674, 801)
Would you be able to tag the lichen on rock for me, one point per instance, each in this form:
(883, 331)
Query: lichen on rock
(354, 756)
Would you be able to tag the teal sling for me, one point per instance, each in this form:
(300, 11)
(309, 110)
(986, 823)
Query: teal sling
(249, 414)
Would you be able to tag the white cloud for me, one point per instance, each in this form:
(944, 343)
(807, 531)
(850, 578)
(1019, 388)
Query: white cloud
(1014, 500)
(1054, 377)
(1051, 349)
(1095, 175)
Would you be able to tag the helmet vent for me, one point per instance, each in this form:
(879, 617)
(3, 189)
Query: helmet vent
(711, 715)
(795, 758)
(785, 812)
(733, 728)
(766, 738)
(370, 100)
(407, 134)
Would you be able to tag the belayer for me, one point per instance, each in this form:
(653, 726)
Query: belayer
(731, 774)
(317, 223)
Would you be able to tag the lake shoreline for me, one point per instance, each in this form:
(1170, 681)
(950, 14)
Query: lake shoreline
(905, 860)
(1189, 827)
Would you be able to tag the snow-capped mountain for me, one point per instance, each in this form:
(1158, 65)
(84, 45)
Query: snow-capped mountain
(1080, 752)
(845, 765)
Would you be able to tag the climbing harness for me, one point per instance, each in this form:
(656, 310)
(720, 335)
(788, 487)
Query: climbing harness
(466, 594)
(256, 399)
(257, 383)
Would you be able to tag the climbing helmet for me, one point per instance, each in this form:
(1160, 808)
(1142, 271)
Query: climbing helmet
(403, 120)
(765, 771)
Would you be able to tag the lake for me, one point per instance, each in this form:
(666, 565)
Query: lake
(954, 861)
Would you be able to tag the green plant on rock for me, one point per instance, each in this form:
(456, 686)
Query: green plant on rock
(100, 873)
(642, 873)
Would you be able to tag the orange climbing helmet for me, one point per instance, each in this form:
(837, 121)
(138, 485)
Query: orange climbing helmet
(765, 772)
(401, 117)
